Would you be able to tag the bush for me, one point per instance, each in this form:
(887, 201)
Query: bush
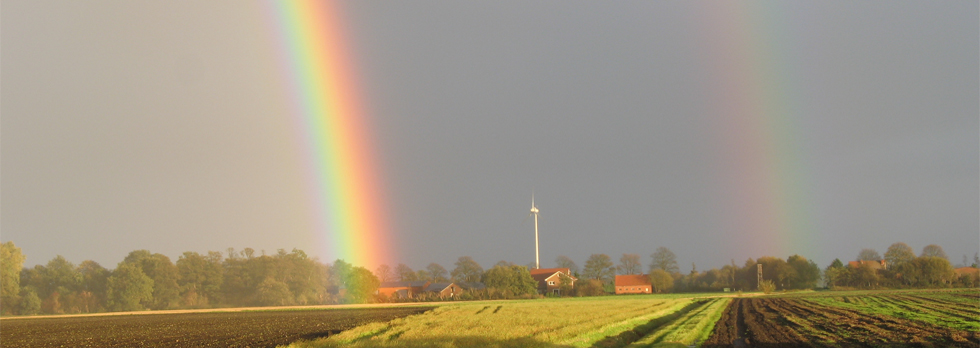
(767, 286)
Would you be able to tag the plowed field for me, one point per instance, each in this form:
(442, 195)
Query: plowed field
(227, 329)
(795, 322)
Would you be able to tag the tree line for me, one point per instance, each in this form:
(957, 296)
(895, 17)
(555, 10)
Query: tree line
(145, 280)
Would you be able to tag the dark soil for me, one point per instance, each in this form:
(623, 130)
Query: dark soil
(780, 322)
(226, 329)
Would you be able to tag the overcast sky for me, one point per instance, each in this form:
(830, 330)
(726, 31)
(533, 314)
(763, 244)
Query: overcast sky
(811, 128)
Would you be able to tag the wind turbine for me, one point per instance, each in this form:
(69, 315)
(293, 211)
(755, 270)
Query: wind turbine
(534, 211)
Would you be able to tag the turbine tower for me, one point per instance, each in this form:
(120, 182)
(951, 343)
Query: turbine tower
(534, 211)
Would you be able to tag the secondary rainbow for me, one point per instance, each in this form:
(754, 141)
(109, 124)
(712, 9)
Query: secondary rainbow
(756, 90)
(343, 177)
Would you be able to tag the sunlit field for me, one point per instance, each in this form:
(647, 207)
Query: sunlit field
(949, 318)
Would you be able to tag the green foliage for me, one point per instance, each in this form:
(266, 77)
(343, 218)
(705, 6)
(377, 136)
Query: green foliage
(589, 287)
(661, 281)
(767, 286)
(933, 250)
(897, 254)
(11, 262)
(129, 289)
(271, 292)
(513, 279)
(30, 304)
(361, 285)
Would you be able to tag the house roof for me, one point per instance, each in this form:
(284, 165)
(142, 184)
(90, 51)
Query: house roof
(417, 284)
(473, 286)
(966, 270)
(550, 271)
(632, 279)
(437, 287)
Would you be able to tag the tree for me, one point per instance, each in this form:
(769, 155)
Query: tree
(437, 273)
(933, 250)
(934, 270)
(94, 278)
(565, 284)
(868, 254)
(423, 275)
(898, 253)
(129, 289)
(11, 262)
(600, 267)
(806, 273)
(589, 287)
(833, 274)
(271, 292)
(467, 270)
(166, 291)
(513, 279)
(199, 277)
(661, 281)
(361, 285)
(664, 259)
(565, 262)
(405, 273)
(384, 273)
(30, 304)
(629, 264)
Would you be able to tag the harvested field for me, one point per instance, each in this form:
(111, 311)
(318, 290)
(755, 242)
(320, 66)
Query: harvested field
(211, 329)
(794, 322)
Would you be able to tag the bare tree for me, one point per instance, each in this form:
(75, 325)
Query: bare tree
(405, 273)
(629, 264)
(599, 266)
(934, 251)
(566, 262)
(384, 273)
(868, 254)
(467, 270)
(664, 259)
(437, 272)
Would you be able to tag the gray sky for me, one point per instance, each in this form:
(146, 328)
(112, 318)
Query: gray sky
(812, 128)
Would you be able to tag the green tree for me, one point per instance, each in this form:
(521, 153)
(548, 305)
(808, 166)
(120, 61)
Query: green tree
(566, 286)
(30, 304)
(271, 292)
(600, 267)
(805, 275)
(629, 264)
(199, 277)
(565, 262)
(898, 253)
(589, 287)
(11, 262)
(513, 279)
(93, 287)
(361, 285)
(467, 270)
(664, 259)
(661, 281)
(934, 271)
(834, 273)
(166, 291)
(437, 273)
(933, 250)
(128, 288)
(868, 254)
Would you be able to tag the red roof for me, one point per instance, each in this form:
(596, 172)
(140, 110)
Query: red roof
(632, 280)
(874, 264)
(550, 271)
(966, 270)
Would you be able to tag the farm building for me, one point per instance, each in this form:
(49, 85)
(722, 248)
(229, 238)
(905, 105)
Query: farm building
(876, 264)
(444, 289)
(402, 289)
(633, 284)
(549, 279)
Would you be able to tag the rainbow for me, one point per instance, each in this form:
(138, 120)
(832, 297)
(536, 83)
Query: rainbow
(343, 176)
(756, 94)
